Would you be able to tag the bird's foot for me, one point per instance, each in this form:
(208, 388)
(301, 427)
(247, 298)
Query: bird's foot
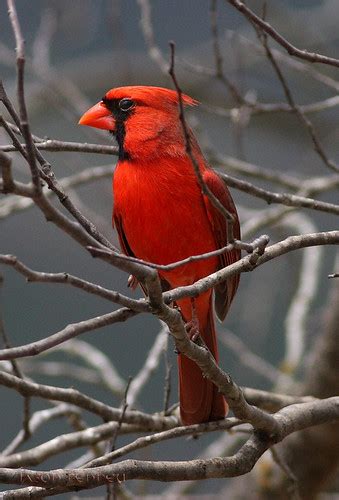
(192, 327)
(132, 282)
(176, 307)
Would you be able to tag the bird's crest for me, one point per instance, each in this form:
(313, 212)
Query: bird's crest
(150, 96)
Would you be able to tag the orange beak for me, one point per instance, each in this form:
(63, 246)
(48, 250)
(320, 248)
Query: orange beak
(99, 117)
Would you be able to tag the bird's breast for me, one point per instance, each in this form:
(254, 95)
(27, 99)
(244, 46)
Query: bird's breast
(163, 215)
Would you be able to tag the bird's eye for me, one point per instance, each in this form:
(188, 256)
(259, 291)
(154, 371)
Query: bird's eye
(126, 104)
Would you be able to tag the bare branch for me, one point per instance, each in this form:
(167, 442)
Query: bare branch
(60, 444)
(308, 124)
(44, 39)
(287, 199)
(38, 419)
(204, 188)
(61, 369)
(219, 70)
(74, 281)
(300, 307)
(248, 263)
(258, 108)
(295, 64)
(79, 399)
(294, 490)
(150, 365)
(272, 401)
(47, 174)
(143, 442)
(291, 49)
(254, 107)
(249, 358)
(252, 170)
(67, 146)
(13, 204)
(7, 178)
(123, 408)
(257, 244)
(69, 332)
(167, 382)
(289, 420)
(24, 125)
(18, 372)
(148, 33)
(96, 359)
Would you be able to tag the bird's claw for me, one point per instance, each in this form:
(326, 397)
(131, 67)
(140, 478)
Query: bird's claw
(192, 326)
(132, 282)
(192, 329)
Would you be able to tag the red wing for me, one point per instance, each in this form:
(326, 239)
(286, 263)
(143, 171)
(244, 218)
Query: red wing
(224, 292)
(117, 222)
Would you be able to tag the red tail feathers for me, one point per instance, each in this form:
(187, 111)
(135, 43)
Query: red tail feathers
(200, 400)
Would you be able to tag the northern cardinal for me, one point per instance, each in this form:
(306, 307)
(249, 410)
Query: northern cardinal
(162, 216)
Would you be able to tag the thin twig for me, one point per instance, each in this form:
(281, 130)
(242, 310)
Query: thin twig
(158, 437)
(38, 419)
(218, 60)
(73, 147)
(249, 358)
(73, 281)
(204, 188)
(148, 33)
(24, 125)
(70, 331)
(257, 244)
(111, 488)
(6, 171)
(74, 397)
(123, 408)
(291, 49)
(150, 365)
(290, 419)
(294, 490)
(167, 382)
(291, 200)
(17, 371)
(47, 174)
(302, 300)
(13, 204)
(300, 114)
(95, 358)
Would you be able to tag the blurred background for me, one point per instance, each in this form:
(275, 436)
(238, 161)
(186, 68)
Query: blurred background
(78, 50)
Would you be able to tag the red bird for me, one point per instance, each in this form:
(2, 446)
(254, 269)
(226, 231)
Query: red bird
(162, 216)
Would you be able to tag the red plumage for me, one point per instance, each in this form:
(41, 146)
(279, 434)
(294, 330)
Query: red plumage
(162, 216)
